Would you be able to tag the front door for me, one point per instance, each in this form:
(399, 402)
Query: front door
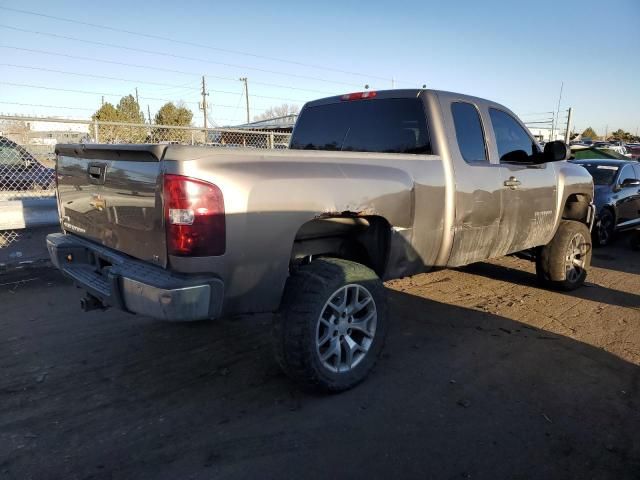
(529, 194)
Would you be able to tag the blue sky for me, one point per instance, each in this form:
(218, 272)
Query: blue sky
(516, 53)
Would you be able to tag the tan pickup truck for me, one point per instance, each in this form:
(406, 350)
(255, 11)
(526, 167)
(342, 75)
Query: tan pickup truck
(375, 186)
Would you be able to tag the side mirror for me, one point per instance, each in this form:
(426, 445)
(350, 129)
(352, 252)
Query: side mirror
(630, 182)
(556, 151)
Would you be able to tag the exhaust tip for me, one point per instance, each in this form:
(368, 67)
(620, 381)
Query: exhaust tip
(89, 303)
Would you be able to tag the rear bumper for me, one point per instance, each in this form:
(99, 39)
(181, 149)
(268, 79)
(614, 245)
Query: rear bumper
(120, 281)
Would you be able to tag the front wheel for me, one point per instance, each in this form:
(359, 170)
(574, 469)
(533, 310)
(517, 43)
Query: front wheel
(332, 324)
(563, 263)
(604, 228)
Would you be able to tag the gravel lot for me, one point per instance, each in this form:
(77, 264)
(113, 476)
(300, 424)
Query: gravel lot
(484, 376)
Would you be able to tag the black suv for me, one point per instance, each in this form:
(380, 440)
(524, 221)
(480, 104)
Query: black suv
(19, 170)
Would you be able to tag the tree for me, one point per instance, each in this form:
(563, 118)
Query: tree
(589, 133)
(621, 135)
(279, 111)
(106, 133)
(175, 115)
(127, 111)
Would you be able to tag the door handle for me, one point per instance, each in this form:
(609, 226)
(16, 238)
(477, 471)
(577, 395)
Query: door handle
(512, 183)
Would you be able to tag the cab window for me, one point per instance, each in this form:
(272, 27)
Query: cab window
(392, 125)
(469, 132)
(513, 142)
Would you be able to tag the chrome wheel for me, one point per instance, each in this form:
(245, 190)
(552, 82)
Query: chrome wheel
(346, 328)
(575, 258)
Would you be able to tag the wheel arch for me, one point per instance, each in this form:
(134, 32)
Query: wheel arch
(360, 238)
(576, 207)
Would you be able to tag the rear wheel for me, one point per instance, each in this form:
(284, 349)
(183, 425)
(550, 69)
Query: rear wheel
(563, 263)
(332, 324)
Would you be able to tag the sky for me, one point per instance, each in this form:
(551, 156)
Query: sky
(516, 53)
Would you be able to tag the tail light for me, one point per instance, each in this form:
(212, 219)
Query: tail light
(359, 95)
(194, 217)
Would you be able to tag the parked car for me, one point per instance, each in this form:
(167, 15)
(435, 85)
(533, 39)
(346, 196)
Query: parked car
(634, 151)
(20, 170)
(584, 152)
(374, 186)
(617, 196)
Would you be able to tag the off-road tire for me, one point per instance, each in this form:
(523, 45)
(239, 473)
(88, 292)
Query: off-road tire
(294, 330)
(551, 259)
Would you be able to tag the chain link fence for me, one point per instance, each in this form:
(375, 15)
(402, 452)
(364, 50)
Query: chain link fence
(27, 152)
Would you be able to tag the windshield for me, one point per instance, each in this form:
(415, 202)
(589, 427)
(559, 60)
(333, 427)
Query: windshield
(395, 125)
(602, 174)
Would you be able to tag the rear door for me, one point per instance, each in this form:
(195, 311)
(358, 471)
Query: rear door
(113, 195)
(628, 202)
(478, 185)
(529, 191)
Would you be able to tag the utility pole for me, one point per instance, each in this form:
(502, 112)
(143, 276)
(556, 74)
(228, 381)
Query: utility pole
(567, 131)
(204, 101)
(393, 83)
(606, 132)
(102, 100)
(149, 113)
(246, 95)
(555, 124)
(137, 102)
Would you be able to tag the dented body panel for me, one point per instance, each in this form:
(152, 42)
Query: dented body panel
(270, 196)
(440, 210)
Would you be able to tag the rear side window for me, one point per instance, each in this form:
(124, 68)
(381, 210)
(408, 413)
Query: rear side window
(627, 174)
(394, 125)
(469, 132)
(514, 143)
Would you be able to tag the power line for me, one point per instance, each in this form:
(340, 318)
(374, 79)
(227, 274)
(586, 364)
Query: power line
(194, 44)
(534, 113)
(107, 94)
(44, 119)
(160, 69)
(172, 55)
(45, 106)
(91, 75)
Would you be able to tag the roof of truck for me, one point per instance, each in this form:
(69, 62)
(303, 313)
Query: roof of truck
(396, 93)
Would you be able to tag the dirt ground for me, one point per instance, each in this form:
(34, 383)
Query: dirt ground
(484, 376)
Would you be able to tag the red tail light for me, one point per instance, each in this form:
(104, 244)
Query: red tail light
(194, 217)
(359, 95)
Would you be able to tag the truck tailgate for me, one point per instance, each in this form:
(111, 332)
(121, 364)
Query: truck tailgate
(112, 194)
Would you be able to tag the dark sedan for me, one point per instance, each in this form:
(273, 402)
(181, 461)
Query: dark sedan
(20, 171)
(617, 196)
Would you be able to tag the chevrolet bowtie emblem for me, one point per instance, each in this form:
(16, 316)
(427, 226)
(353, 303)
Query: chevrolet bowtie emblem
(98, 202)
